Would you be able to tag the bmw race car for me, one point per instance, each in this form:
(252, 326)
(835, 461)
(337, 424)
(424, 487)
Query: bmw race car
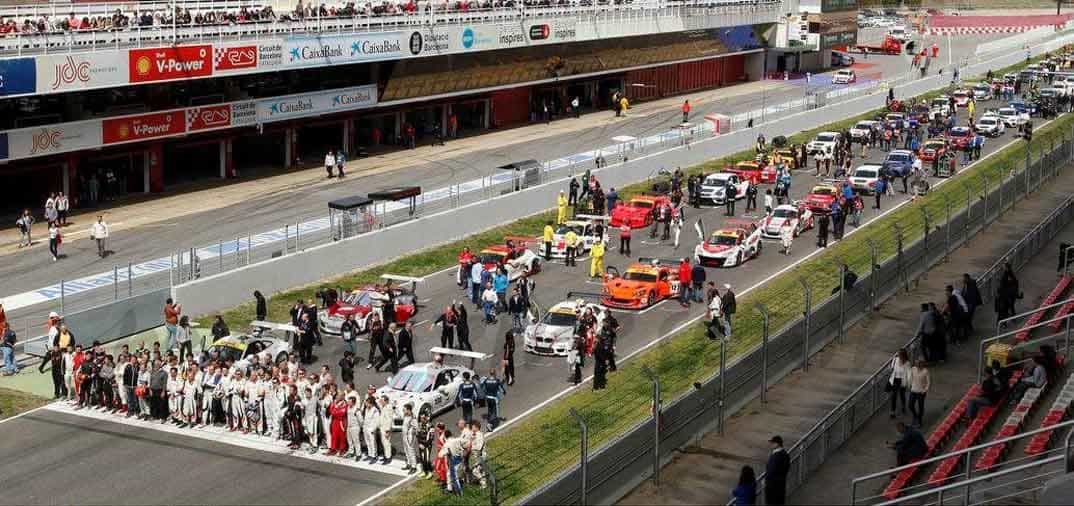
(730, 246)
(553, 332)
(362, 302)
(430, 387)
(799, 216)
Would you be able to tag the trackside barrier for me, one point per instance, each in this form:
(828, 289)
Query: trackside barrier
(625, 462)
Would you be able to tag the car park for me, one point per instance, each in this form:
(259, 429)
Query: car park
(990, 125)
(360, 303)
(798, 215)
(553, 332)
(844, 76)
(864, 178)
(729, 246)
(714, 187)
(643, 284)
(638, 211)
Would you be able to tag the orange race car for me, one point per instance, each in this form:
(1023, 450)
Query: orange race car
(644, 283)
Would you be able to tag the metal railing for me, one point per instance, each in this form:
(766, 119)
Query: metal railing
(1065, 321)
(282, 20)
(1049, 463)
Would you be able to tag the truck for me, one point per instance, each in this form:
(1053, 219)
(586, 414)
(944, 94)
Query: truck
(890, 45)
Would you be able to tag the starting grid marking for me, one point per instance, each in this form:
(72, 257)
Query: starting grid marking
(165, 264)
(222, 435)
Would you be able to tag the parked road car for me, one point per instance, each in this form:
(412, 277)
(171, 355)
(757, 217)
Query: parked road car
(864, 178)
(844, 76)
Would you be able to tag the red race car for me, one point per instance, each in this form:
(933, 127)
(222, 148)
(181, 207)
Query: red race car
(753, 172)
(361, 302)
(638, 212)
(821, 197)
(959, 137)
(932, 149)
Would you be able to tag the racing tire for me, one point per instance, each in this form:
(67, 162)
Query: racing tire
(650, 299)
(757, 252)
(739, 261)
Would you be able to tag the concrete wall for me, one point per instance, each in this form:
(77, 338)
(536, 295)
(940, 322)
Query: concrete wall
(221, 291)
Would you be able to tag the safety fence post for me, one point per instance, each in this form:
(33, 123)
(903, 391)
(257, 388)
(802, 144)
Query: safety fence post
(901, 271)
(584, 464)
(969, 211)
(723, 382)
(764, 350)
(947, 228)
(806, 317)
(874, 273)
(656, 422)
(926, 223)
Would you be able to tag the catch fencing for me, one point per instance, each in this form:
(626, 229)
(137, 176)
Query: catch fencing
(888, 262)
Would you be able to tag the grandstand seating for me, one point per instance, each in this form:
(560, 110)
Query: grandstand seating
(1053, 297)
(1056, 414)
(1063, 311)
(943, 432)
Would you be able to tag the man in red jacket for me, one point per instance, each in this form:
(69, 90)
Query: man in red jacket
(685, 282)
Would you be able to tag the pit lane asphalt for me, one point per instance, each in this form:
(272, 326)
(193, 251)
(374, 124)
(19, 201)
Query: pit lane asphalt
(59, 458)
(30, 270)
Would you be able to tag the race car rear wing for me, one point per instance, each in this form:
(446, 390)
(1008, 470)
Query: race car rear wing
(451, 352)
(519, 239)
(585, 295)
(593, 217)
(402, 279)
(739, 223)
(667, 262)
(282, 327)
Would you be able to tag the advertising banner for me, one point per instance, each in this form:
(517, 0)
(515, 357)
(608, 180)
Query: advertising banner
(48, 140)
(143, 126)
(337, 49)
(168, 63)
(81, 71)
(244, 113)
(208, 117)
(17, 76)
(311, 104)
(241, 58)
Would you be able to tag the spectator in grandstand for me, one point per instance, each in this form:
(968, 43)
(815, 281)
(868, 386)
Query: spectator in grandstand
(899, 380)
(775, 481)
(745, 493)
(910, 446)
(990, 392)
(1036, 376)
(920, 382)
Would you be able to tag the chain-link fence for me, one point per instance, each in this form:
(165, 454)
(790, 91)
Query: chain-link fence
(889, 258)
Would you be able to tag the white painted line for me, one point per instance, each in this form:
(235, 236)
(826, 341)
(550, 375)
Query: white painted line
(221, 435)
(24, 413)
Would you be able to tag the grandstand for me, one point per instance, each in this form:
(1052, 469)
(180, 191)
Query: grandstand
(1011, 448)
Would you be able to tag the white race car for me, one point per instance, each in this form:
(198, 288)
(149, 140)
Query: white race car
(241, 349)
(1011, 117)
(982, 91)
(586, 230)
(553, 332)
(864, 178)
(844, 76)
(940, 104)
(800, 218)
(990, 125)
(824, 142)
(714, 187)
(429, 387)
(862, 130)
(730, 246)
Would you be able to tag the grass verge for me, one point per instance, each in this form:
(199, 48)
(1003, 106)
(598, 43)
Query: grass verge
(14, 402)
(523, 459)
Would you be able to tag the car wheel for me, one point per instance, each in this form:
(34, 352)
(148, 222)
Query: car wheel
(650, 299)
(739, 261)
(426, 411)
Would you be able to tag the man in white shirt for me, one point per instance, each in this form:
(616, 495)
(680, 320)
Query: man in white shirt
(329, 163)
(63, 205)
(715, 315)
(489, 300)
(99, 233)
